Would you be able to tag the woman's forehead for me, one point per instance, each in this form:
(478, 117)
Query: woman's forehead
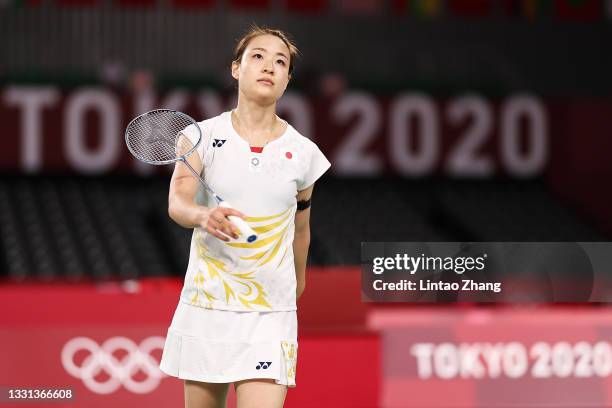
(270, 43)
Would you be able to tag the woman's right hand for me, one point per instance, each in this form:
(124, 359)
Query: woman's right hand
(215, 222)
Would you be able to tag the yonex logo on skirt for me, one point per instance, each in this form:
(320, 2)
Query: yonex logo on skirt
(263, 365)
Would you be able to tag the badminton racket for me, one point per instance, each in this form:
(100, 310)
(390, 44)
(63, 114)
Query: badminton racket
(156, 137)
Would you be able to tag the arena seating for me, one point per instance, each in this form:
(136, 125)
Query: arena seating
(117, 227)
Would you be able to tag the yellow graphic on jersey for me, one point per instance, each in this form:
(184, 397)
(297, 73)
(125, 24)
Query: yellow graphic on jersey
(271, 243)
(198, 280)
(239, 286)
(267, 218)
(243, 286)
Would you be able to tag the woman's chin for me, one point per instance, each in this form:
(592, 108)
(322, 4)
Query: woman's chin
(263, 96)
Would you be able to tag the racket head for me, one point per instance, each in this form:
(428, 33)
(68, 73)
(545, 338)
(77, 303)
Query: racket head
(154, 137)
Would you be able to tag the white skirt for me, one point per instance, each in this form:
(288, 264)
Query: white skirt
(223, 346)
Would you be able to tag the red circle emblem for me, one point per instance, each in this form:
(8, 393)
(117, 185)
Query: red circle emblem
(288, 155)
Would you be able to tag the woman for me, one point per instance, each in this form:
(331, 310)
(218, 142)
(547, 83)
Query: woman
(236, 319)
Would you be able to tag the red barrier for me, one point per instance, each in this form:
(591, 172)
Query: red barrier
(352, 354)
(49, 333)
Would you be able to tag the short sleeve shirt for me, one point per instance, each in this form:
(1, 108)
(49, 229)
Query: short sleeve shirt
(237, 275)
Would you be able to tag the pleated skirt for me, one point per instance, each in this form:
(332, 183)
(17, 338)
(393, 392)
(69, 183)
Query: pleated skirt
(222, 346)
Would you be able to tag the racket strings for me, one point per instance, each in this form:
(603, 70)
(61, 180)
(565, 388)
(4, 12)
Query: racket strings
(154, 137)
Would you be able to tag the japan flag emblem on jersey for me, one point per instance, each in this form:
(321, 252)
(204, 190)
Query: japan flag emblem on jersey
(288, 155)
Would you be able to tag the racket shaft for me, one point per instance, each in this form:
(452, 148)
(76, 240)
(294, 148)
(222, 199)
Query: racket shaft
(241, 224)
(195, 173)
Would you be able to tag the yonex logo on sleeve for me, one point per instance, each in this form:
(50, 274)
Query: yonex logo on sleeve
(218, 142)
(263, 365)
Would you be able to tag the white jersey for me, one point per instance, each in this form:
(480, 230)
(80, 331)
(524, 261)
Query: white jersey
(257, 276)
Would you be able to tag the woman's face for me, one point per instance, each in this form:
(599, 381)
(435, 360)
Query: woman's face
(263, 72)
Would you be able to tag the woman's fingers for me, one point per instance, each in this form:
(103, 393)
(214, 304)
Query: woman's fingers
(236, 213)
(234, 230)
(216, 233)
(220, 226)
(216, 225)
(221, 223)
(230, 229)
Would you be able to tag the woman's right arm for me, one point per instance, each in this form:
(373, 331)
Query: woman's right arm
(183, 209)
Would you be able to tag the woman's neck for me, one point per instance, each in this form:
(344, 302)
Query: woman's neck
(256, 123)
(255, 118)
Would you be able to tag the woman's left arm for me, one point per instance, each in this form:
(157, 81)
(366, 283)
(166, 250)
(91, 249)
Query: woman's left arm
(301, 240)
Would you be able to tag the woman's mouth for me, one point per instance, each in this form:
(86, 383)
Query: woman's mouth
(265, 82)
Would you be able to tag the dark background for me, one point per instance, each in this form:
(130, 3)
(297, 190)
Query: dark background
(467, 64)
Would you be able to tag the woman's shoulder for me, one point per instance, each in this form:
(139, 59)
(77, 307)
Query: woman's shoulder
(211, 121)
(299, 138)
(208, 125)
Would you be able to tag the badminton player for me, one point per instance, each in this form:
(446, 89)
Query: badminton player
(236, 318)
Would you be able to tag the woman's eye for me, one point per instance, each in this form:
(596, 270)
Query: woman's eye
(257, 56)
(281, 62)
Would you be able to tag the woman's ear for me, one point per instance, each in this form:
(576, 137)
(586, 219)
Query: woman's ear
(235, 70)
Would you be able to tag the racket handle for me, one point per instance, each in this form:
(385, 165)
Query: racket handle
(241, 224)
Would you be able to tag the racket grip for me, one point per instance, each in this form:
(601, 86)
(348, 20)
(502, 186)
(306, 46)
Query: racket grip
(244, 228)
(241, 224)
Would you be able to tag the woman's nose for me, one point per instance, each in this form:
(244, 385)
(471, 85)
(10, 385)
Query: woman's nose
(268, 67)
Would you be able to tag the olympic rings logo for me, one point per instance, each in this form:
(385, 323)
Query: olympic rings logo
(120, 371)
